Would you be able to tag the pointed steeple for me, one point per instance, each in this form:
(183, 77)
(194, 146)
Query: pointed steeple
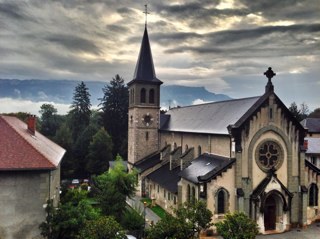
(144, 71)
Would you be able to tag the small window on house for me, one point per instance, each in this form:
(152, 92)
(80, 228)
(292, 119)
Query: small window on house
(186, 147)
(314, 160)
(169, 196)
(174, 200)
(151, 96)
(158, 189)
(147, 136)
(164, 193)
(143, 95)
(313, 195)
(174, 145)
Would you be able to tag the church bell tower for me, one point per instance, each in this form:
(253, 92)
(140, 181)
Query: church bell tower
(144, 106)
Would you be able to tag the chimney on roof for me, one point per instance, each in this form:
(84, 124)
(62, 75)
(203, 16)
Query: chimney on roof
(305, 144)
(31, 124)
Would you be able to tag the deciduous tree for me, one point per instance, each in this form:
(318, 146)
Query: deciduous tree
(111, 189)
(189, 220)
(49, 120)
(237, 226)
(100, 153)
(105, 227)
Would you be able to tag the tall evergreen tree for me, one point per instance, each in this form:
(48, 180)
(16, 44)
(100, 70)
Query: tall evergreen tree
(114, 105)
(80, 110)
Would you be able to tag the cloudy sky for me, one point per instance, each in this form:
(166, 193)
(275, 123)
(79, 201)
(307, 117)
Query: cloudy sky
(224, 45)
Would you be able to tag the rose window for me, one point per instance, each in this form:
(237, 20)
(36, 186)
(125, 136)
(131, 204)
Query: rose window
(269, 155)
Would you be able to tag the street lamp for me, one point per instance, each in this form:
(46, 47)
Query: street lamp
(144, 217)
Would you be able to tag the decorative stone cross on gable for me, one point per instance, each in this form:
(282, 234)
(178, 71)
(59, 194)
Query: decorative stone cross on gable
(269, 74)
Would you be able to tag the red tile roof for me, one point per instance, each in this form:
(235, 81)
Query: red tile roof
(20, 150)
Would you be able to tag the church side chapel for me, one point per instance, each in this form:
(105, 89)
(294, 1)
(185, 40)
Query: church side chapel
(238, 155)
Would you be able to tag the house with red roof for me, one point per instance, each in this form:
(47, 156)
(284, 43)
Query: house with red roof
(29, 176)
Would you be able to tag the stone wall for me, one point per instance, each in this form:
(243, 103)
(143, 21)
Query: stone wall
(23, 198)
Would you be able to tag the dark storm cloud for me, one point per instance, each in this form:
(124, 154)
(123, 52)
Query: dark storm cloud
(226, 37)
(285, 9)
(13, 11)
(263, 41)
(74, 43)
(117, 28)
(190, 40)
(198, 13)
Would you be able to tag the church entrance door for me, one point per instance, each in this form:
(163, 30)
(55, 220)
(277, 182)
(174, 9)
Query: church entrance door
(270, 213)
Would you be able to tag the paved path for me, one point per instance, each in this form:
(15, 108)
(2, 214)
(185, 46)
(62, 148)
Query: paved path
(136, 204)
(312, 232)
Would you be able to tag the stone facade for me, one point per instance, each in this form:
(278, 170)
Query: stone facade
(23, 197)
(257, 162)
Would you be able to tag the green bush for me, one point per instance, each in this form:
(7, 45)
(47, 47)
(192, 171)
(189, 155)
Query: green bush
(237, 226)
(104, 227)
(132, 220)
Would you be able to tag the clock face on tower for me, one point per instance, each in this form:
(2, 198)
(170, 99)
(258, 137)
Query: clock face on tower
(147, 119)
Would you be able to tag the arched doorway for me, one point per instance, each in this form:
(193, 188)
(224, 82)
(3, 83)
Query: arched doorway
(270, 213)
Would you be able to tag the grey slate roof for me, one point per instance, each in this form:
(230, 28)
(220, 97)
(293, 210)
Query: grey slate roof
(313, 146)
(312, 124)
(144, 71)
(148, 162)
(166, 178)
(206, 167)
(212, 118)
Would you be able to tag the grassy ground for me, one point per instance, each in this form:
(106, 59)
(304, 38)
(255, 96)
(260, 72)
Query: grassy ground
(156, 209)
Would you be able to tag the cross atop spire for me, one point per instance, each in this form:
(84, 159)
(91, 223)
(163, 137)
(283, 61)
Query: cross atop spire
(146, 13)
(269, 74)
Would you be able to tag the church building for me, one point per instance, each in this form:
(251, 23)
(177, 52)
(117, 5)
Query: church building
(238, 155)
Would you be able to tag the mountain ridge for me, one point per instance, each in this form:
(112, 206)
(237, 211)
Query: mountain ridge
(61, 91)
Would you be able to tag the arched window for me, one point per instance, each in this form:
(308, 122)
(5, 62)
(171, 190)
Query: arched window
(313, 195)
(188, 193)
(193, 196)
(222, 201)
(199, 150)
(143, 95)
(151, 96)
